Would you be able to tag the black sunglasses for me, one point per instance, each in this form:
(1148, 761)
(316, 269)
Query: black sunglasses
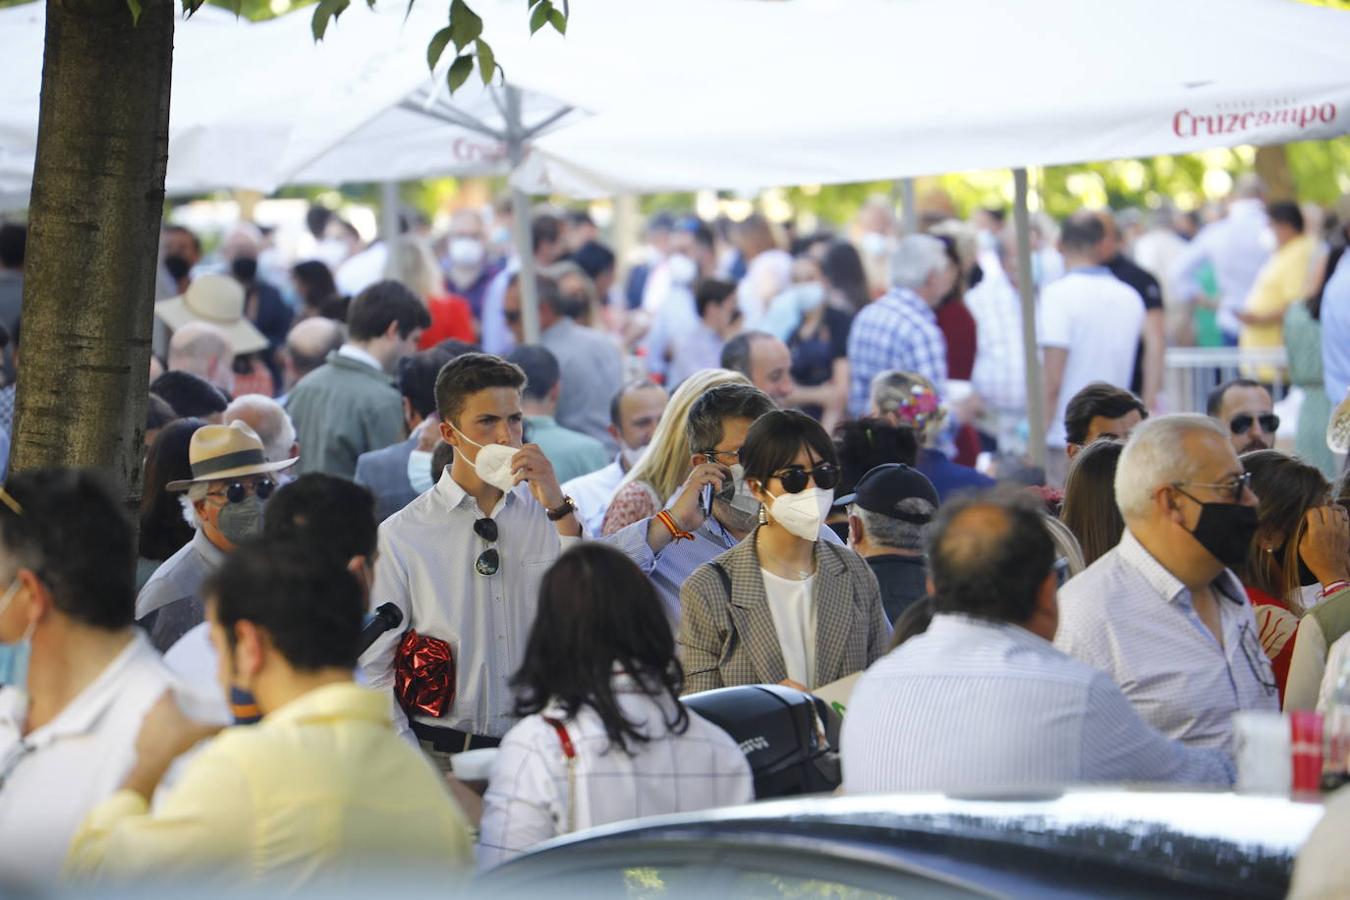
(1270, 423)
(795, 478)
(489, 561)
(238, 491)
(511, 315)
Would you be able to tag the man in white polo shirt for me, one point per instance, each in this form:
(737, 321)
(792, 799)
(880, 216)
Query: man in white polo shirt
(76, 676)
(1090, 324)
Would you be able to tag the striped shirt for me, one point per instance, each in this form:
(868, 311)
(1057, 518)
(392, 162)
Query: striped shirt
(1130, 617)
(900, 332)
(976, 705)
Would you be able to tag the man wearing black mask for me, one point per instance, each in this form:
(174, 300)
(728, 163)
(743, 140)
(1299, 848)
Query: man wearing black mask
(1162, 613)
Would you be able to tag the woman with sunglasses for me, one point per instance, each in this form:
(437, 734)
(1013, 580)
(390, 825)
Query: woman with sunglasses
(783, 606)
(1297, 555)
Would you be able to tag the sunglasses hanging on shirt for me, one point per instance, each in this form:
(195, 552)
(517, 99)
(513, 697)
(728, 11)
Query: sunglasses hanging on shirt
(489, 561)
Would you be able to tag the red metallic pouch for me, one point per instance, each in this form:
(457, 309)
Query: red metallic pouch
(424, 675)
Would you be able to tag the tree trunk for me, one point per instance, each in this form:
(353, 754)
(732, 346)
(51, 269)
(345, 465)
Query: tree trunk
(89, 275)
(1272, 164)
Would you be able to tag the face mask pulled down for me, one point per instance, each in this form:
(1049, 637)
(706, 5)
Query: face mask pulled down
(493, 463)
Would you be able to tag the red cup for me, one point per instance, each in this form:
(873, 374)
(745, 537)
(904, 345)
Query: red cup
(1305, 744)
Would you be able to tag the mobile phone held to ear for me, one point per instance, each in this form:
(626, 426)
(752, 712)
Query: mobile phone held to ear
(705, 500)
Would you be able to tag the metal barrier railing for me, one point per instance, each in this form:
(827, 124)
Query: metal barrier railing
(1190, 373)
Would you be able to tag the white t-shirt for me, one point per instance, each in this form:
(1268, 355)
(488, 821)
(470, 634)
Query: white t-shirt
(1098, 318)
(793, 607)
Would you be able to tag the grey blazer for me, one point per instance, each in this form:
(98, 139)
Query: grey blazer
(727, 637)
(385, 473)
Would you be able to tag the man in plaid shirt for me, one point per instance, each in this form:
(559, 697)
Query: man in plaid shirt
(900, 330)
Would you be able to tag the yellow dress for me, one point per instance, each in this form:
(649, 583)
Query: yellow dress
(1280, 284)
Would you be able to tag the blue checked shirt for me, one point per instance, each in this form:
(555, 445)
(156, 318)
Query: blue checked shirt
(1131, 618)
(899, 331)
(974, 705)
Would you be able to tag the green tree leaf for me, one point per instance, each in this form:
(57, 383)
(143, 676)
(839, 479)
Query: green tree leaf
(135, 7)
(540, 16)
(437, 46)
(324, 12)
(487, 61)
(459, 72)
(558, 19)
(465, 24)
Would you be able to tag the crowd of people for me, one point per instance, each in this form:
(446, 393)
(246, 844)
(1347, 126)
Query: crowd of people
(754, 458)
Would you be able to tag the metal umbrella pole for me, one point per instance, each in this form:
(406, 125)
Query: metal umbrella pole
(1036, 413)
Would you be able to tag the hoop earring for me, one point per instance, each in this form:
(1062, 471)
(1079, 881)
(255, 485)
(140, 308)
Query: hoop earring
(763, 515)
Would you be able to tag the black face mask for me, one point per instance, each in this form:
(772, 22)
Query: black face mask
(177, 267)
(574, 305)
(1226, 531)
(244, 268)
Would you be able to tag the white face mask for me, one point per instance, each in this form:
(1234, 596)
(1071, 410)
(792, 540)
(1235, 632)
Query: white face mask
(875, 244)
(802, 514)
(682, 269)
(493, 463)
(419, 471)
(631, 455)
(466, 252)
(740, 509)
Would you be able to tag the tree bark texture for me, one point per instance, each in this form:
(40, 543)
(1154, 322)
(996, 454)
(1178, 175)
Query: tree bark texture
(1272, 164)
(89, 273)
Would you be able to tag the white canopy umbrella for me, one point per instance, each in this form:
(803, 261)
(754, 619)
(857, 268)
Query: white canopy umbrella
(858, 90)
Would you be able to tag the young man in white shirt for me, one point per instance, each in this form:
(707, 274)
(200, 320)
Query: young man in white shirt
(1090, 327)
(76, 676)
(464, 561)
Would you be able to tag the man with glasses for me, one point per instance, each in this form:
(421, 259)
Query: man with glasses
(1244, 407)
(464, 562)
(714, 510)
(1162, 613)
(231, 481)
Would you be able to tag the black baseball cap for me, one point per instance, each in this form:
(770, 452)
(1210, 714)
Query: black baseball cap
(884, 488)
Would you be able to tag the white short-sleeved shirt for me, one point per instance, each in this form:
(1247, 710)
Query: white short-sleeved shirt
(792, 604)
(1098, 319)
(52, 778)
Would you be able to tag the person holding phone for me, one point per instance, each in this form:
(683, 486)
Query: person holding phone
(783, 606)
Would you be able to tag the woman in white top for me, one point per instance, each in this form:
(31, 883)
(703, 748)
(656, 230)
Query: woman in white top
(603, 736)
(783, 606)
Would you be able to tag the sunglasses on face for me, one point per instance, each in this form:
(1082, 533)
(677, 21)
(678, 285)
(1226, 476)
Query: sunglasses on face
(1270, 423)
(512, 316)
(237, 491)
(489, 561)
(795, 478)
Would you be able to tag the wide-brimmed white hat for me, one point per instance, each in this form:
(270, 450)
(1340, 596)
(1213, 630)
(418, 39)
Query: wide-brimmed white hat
(219, 300)
(221, 452)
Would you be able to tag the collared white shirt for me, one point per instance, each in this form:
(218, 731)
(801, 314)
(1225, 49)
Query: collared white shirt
(592, 494)
(1130, 617)
(181, 575)
(353, 352)
(426, 568)
(51, 779)
(977, 705)
(999, 376)
(529, 798)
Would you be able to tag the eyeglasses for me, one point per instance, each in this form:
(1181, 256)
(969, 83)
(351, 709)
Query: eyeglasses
(237, 491)
(1239, 484)
(716, 455)
(1270, 423)
(489, 561)
(1251, 650)
(511, 315)
(795, 478)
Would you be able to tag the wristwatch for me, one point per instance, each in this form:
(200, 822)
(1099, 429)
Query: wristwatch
(562, 509)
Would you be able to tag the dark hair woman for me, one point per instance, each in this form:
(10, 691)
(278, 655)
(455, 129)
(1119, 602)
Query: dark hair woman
(1296, 530)
(314, 283)
(603, 736)
(1089, 507)
(785, 605)
(164, 530)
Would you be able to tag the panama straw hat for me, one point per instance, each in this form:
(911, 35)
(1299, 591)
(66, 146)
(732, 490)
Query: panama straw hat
(219, 300)
(1338, 426)
(220, 452)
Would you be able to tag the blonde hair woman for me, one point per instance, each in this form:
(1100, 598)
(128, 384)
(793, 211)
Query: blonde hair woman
(666, 464)
(411, 262)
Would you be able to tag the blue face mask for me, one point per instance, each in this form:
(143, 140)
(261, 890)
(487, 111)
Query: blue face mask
(244, 707)
(14, 657)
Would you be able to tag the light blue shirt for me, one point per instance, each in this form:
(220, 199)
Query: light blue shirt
(976, 705)
(1133, 619)
(1336, 332)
